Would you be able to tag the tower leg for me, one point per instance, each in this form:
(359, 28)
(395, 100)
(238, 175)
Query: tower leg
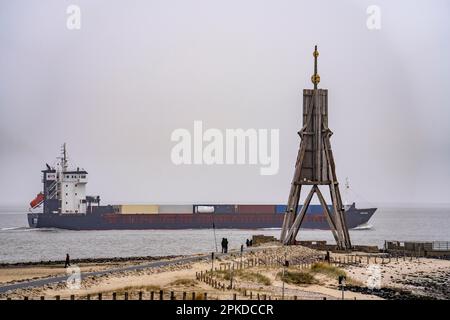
(337, 217)
(293, 231)
(346, 234)
(330, 218)
(339, 214)
(291, 209)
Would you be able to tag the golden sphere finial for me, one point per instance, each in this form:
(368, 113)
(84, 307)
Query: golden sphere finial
(315, 78)
(315, 53)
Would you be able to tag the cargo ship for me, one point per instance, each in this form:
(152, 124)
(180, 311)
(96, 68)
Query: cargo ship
(64, 204)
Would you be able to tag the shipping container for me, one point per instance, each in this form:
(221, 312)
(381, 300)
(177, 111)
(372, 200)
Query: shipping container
(249, 208)
(203, 209)
(312, 209)
(138, 208)
(214, 208)
(182, 208)
(280, 208)
(225, 208)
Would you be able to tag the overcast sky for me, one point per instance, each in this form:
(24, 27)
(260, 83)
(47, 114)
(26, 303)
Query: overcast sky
(137, 70)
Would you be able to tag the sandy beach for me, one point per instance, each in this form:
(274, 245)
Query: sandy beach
(255, 274)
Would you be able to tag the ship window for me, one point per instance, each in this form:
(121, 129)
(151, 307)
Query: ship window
(66, 202)
(66, 185)
(67, 194)
(76, 193)
(83, 176)
(67, 176)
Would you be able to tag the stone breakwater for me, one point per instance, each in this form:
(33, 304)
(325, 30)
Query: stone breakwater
(88, 261)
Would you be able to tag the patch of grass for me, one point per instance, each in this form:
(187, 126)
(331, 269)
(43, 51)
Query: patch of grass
(222, 274)
(327, 269)
(184, 282)
(137, 288)
(297, 277)
(353, 282)
(243, 275)
(253, 277)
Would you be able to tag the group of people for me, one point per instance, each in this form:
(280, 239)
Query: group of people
(248, 243)
(224, 245)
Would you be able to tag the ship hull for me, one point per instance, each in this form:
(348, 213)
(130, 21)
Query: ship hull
(114, 221)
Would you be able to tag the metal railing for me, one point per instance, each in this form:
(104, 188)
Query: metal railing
(441, 245)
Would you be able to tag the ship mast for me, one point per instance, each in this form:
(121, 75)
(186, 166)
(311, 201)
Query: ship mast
(64, 158)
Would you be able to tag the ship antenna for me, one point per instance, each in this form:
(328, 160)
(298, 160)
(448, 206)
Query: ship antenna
(64, 158)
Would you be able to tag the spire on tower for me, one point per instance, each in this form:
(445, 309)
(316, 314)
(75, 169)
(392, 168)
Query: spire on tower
(315, 78)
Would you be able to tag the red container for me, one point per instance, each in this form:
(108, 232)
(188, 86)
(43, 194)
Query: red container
(250, 208)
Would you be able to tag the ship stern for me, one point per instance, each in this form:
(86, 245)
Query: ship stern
(33, 219)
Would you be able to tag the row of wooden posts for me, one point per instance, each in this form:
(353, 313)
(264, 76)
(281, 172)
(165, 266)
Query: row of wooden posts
(267, 261)
(208, 279)
(153, 296)
(248, 295)
(354, 259)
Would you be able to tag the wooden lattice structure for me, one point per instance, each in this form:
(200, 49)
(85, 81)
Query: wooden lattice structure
(315, 166)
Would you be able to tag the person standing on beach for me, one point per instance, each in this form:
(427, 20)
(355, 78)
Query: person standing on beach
(327, 257)
(67, 261)
(226, 245)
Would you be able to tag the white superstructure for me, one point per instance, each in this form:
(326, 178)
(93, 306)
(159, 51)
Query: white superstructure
(72, 187)
(73, 191)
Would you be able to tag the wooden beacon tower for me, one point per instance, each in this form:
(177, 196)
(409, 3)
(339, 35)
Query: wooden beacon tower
(315, 166)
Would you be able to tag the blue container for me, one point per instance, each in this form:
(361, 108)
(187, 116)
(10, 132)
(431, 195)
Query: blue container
(312, 209)
(280, 208)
